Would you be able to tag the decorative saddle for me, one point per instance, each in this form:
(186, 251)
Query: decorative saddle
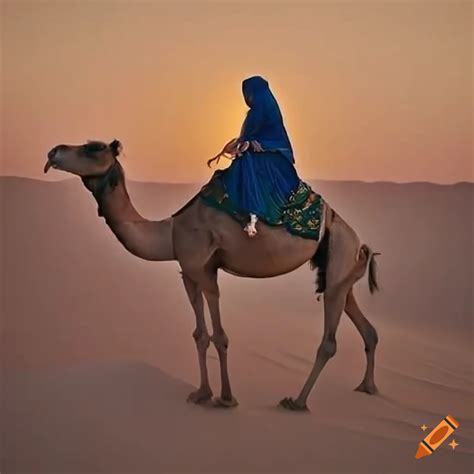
(303, 214)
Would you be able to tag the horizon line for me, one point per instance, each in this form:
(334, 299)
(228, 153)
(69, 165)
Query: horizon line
(195, 183)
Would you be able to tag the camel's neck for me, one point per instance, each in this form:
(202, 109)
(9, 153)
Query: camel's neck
(150, 240)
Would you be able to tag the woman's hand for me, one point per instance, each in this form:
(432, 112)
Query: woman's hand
(256, 146)
(242, 147)
(230, 149)
(235, 148)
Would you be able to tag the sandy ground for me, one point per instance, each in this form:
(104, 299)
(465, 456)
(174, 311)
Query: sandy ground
(97, 357)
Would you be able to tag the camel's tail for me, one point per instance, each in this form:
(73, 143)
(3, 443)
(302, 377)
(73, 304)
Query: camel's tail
(367, 259)
(373, 284)
(321, 258)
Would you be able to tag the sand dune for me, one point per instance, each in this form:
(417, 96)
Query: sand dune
(97, 356)
(131, 417)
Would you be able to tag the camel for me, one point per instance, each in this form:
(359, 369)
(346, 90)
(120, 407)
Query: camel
(203, 239)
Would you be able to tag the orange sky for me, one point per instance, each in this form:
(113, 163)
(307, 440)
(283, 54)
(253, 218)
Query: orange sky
(369, 91)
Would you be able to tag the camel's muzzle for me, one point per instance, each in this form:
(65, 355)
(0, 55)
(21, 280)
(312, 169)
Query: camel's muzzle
(47, 166)
(52, 157)
(50, 164)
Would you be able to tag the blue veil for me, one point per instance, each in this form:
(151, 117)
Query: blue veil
(261, 182)
(265, 183)
(264, 121)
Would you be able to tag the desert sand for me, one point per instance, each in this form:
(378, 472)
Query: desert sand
(97, 357)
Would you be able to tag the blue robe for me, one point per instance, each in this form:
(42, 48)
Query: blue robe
(260, 183)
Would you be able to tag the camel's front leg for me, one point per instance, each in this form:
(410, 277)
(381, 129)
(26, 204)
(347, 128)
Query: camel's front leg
(220, 340)
(201, 336)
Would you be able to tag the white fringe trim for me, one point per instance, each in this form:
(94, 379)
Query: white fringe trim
(322, 227)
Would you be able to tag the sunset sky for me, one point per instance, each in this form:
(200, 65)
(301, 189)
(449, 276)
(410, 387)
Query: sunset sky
(369, 90)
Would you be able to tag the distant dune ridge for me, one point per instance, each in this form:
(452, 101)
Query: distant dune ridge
(97, 356)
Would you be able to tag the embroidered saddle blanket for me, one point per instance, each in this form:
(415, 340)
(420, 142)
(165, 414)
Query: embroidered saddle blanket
(303, 214)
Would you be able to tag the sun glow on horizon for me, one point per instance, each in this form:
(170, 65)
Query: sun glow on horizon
(368, 91)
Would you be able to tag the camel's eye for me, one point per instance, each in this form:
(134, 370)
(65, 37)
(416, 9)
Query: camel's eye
(94, 147)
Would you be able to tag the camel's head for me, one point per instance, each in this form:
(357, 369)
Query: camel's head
(92, 159)
(95, 162)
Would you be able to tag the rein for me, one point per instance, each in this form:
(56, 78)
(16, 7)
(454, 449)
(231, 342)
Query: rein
(109, 178)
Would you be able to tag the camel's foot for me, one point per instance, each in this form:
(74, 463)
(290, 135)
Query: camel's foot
(220, 402)
(367, 387)
(200, 396)
(289, 404)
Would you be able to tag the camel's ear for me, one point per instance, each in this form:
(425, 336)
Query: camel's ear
(116, 147)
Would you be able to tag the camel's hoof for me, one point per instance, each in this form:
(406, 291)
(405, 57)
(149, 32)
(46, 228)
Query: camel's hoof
(367, 388)
(199, 396)
(289, 404)
(220, 402)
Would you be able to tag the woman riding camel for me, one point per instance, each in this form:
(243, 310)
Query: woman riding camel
(262, 176)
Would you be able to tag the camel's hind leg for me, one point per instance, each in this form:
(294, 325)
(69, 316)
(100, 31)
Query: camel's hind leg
(369, 335)
(333, 306)
(202, 338)
(347, 263)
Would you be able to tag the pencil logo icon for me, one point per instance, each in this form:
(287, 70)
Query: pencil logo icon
(437, 437)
